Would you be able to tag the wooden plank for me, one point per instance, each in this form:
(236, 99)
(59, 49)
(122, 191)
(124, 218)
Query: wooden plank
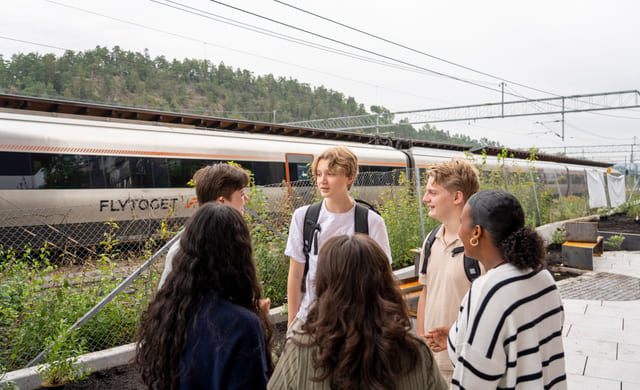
(582, 231)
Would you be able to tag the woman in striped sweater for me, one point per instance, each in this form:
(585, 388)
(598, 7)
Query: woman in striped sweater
(509, 331)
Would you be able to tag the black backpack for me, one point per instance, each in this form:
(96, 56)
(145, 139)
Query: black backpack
(471, 266)
(311, 228)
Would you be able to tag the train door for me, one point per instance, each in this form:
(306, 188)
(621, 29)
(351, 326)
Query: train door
(299, 185)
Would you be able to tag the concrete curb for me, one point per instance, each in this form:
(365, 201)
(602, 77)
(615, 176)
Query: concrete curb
(28, 378)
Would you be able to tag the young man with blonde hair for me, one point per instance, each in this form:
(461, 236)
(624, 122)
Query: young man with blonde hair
(335, 171)
(444, 279)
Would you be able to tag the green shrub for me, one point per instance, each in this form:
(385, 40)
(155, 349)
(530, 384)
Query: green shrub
(604, 211)
(268, 246)
(614, 242)
(559, 236)
(575, 207)
(398, 206)
(633, 210)
(61, 362)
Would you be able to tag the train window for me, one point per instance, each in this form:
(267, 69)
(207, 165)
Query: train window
(16, 171)
(298, 166)
(265, 172)
(562, 179)
(13, 164)
(61, 170)
(182, 170)
(538, 176)
(374, 175)
(550, 177)
(299, 171)
(577, 178)
(39, 170)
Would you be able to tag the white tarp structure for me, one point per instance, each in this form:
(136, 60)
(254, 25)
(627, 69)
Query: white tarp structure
(615, 185)
(595, 185)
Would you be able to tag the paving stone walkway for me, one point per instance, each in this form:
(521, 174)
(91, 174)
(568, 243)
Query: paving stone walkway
(600, 286)
(602, 324)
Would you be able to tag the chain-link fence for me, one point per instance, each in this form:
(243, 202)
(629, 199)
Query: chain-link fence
(99, 276)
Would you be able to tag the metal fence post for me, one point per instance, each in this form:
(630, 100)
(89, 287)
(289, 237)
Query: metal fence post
(535, 196)
(637, 180)
(419, 191)
(506, 183)
(113, 293)
(560, 197)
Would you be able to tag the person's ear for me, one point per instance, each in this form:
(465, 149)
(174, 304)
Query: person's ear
(478, 232)
(458, 198)
(350, 179)
(221, 199)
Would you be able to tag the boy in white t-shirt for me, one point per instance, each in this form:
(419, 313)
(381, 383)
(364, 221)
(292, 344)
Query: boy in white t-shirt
(334, 171)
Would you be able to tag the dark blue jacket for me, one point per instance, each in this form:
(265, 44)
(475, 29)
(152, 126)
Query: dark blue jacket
(225, 349)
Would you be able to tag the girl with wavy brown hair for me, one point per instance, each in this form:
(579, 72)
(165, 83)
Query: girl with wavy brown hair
(204, 329)
(358, 334)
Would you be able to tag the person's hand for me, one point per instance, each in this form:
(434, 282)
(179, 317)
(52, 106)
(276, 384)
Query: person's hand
(437, 338)
(265, 305)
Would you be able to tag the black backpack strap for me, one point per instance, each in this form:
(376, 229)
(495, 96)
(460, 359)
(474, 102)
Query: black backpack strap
(471, 266)
(310, 231)
(427, 248)
(369, 205)
(361, 224)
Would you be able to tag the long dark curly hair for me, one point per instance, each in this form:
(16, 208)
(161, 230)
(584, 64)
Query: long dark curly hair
(501, 214)
(215, 257)
(359, 322)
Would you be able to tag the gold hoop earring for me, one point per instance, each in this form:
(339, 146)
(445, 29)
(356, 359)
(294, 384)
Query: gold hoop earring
(472, 243)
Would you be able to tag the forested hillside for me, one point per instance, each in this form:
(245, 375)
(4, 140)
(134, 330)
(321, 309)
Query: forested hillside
(199, 86)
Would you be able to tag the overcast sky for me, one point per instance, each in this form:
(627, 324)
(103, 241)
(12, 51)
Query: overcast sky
(562, 47)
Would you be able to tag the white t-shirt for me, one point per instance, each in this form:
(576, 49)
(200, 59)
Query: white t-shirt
(168, 263)
(332, 225)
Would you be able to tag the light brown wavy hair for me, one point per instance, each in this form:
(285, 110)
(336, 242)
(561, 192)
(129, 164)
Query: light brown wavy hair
(359, 323)
(339, 158)
(456, 175)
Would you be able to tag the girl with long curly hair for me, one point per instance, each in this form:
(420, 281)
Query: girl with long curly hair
(509, 330)
(358, 334)
(204, 329)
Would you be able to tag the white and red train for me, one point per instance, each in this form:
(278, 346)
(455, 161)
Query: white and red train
(65, 165)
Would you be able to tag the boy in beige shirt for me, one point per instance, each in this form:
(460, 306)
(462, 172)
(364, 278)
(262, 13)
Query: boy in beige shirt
(445, 282)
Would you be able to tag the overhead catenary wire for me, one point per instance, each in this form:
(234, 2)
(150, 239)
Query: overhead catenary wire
(240, 25)
(414, 50)
(362, 49)
(274, 34)
(411, 67)
(496, 76)
(32, 43)
(508, 81)
(382, 55)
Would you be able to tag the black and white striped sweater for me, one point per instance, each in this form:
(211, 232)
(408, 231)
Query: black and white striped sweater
(509, 333)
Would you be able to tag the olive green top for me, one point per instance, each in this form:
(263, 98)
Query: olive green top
(295, 367)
